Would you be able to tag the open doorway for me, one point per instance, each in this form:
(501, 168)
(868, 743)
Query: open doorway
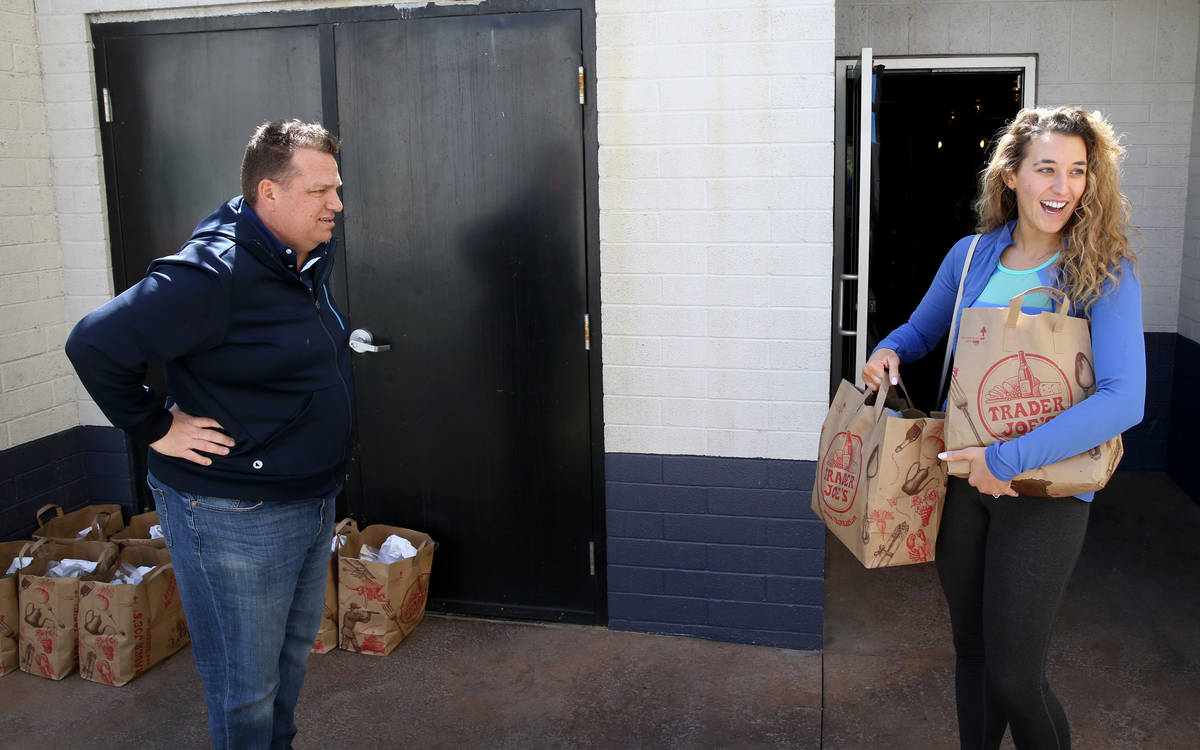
(905, 199)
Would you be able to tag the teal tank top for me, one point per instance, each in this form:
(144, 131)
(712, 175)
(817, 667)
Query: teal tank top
(1006, 284)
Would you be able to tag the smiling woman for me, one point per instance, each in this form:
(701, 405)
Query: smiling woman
(1051, 213)
(1048, 185)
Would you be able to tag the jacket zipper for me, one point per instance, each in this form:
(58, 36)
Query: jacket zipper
(332, 343)
(336, 363)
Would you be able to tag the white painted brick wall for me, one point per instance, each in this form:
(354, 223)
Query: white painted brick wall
(716, 172)
(716, 165)
(32, 298)
(1135, 60)
(1189, 277)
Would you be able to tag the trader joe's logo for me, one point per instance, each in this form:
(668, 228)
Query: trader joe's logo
(841, 468)
(1021, 392)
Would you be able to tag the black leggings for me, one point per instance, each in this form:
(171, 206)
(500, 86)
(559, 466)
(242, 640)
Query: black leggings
(1004, 564)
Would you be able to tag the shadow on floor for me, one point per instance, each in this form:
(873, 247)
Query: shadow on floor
(1125, 660)
(1126, 664)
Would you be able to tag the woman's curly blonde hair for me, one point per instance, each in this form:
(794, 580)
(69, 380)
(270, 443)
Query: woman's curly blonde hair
(1096, 232)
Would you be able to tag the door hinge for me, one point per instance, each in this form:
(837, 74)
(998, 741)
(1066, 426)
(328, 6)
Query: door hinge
(108, 113)
(591, 558)
(582, 98)
(587, 332)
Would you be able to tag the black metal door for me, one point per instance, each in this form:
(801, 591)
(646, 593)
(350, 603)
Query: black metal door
(465, 234)
(179, 110)
(183, 107)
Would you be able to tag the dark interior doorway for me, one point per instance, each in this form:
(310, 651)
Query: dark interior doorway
(934, 130)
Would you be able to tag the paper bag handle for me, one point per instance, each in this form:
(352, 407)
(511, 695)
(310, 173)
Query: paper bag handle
(882, 392)
(31, 547)
(1057, 317)
(98, 526)
(1014, 305)
(157, 572)
(38, 516)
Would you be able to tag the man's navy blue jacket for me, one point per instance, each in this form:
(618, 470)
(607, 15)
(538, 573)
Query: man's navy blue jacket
(243, 341)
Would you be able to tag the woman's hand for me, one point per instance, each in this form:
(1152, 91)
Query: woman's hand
(883, 363)
(981, 477)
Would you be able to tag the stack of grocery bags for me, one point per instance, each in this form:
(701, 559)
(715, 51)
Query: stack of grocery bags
(89, 594)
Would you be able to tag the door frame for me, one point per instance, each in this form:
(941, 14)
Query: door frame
(102, 29)
(1023, 64)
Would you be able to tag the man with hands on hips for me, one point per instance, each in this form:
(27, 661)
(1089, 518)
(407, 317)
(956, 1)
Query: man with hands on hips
(246, 463)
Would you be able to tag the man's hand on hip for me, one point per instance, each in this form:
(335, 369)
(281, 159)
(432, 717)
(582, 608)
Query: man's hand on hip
(190, 437)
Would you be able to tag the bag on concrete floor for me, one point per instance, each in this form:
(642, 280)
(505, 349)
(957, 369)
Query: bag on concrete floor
(380, 603)
(126, 628)
(9, 611)
(91, 523)
(327, 635)
(48, 635)
(137, 533)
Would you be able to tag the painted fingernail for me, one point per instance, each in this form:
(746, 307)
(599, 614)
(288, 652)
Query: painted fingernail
(942, 456)
(895, 381)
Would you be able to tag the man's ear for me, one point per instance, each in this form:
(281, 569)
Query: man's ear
(266, 193)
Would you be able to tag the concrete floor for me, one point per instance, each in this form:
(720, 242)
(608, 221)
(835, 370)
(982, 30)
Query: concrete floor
(1125, 663)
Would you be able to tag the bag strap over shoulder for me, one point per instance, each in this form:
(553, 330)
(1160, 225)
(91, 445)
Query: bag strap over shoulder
(962, 280)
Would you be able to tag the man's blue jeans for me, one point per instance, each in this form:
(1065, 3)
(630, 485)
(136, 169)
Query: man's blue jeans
(252, 578)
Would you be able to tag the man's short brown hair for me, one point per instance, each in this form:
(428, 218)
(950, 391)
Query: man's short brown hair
(269, 152)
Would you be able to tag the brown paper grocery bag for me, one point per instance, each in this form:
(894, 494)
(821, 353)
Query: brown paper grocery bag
(124, 629)
(1014, 372)
(327, 635)
(48, 636)
(89, 523)
(880, 487)
(8, 605)
(379, 604)
(137, 533)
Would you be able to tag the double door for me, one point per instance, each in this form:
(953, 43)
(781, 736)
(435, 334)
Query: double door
(464, 255)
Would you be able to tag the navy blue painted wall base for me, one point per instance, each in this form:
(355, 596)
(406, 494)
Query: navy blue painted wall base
(76, 467)
(1146, 445)
(1182, 455)
(720, 548)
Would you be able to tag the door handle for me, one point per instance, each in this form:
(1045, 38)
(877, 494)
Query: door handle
(361, 341)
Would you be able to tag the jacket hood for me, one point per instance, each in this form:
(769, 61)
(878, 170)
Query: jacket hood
(228, 223)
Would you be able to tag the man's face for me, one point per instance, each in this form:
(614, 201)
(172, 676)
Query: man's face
(300, 210)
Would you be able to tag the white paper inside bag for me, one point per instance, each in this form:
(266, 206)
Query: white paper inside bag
(70, 568)
(396, 548)
(131, 574)
(17, 564)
